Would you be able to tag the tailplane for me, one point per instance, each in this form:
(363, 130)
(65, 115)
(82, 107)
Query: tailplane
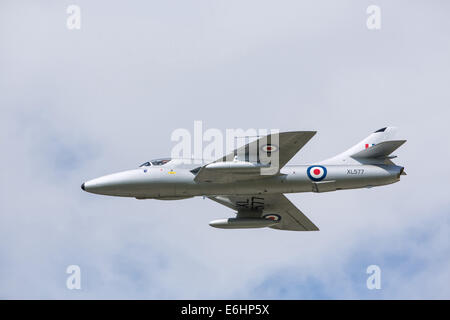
(375, 149)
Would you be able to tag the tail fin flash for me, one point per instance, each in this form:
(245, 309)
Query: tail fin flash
(376, 149)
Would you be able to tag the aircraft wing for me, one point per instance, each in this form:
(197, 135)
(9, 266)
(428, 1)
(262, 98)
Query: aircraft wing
(280, 146)
(269, 206)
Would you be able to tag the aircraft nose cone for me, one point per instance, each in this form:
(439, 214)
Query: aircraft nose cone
(114, 184)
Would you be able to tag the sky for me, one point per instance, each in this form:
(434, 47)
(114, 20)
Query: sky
(78, 104)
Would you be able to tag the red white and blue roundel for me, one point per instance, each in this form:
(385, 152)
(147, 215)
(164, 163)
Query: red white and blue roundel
(316, 173)
(273, 217)
(269, 148)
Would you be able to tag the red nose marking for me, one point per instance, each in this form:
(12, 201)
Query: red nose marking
(316, 172)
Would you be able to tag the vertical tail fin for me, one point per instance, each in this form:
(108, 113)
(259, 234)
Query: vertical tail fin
(374, 149)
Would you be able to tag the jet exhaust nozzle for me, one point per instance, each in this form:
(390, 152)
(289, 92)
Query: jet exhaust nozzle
(242, 223)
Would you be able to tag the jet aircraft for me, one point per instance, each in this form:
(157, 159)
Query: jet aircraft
(236, 180)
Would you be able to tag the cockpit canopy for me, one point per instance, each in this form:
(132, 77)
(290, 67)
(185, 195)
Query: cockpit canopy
(156, 162)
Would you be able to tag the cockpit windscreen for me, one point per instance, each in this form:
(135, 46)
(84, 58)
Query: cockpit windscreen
(156, 162)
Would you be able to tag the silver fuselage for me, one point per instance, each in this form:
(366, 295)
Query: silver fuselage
(177, 182)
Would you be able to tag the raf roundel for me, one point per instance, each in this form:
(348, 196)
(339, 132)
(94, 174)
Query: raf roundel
(269, 148)
(317, 173)
(273, 217)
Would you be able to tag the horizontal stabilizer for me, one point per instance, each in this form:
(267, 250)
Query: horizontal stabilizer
(380, 150)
